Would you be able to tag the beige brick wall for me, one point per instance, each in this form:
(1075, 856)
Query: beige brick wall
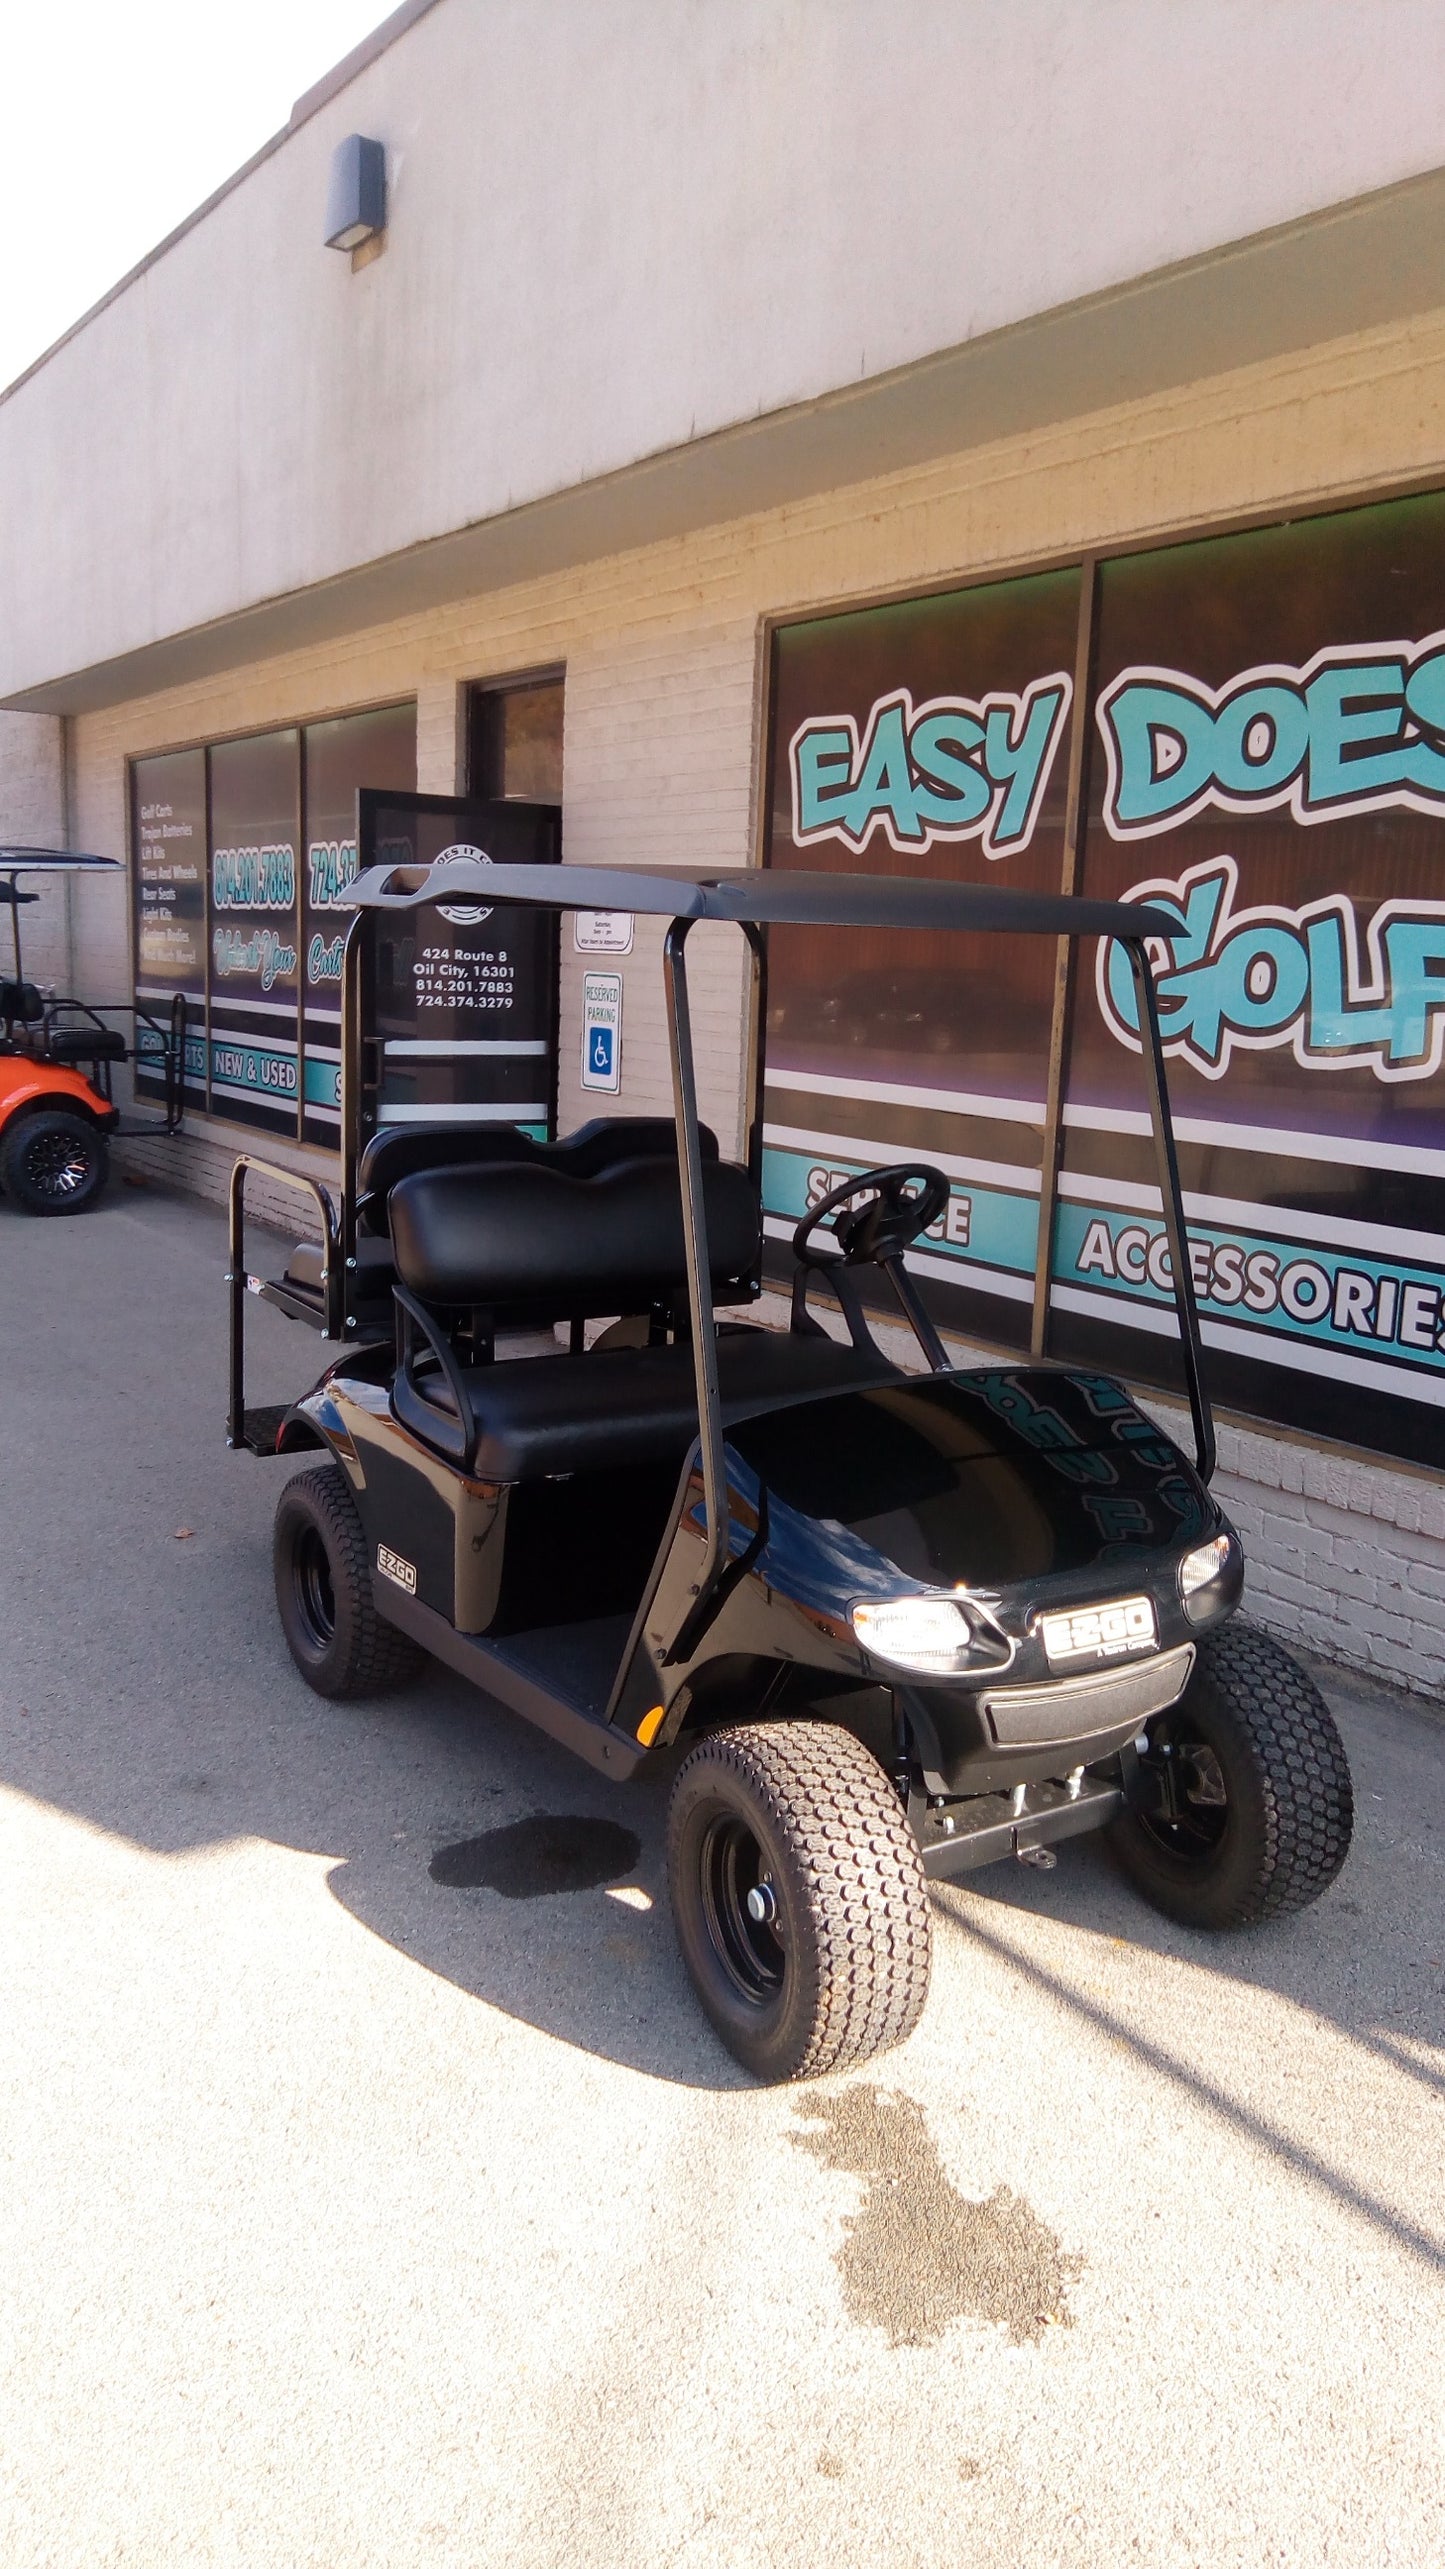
(662, 649)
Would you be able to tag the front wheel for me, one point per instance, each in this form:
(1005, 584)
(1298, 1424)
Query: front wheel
(1246, 1804)
(339, 1642)
(53, 1162)
(799, 1897)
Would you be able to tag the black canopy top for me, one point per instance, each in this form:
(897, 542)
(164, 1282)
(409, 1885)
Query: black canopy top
(770, 898)
(55, 860)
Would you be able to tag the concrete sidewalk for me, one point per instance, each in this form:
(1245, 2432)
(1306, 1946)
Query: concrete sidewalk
(354, 2219)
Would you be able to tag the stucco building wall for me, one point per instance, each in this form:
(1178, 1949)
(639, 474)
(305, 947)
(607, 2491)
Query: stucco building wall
(624, 228)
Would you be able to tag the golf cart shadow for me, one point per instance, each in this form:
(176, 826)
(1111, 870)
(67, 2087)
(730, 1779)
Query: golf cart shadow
(538, 1889)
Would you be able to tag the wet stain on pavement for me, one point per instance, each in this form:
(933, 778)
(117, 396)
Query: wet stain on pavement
(918, 2254)
(530, 1858)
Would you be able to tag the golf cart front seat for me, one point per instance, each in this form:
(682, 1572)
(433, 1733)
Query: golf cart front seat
(405, 1150)
(540, 1242)
(21, 1004)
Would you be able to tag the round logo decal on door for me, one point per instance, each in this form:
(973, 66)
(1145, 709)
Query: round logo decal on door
(464, 914)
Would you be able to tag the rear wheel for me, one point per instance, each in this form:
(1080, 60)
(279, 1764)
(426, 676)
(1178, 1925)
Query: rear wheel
(799, 1897)
(1247, 1804)
(339, 1642)
(53, 1162)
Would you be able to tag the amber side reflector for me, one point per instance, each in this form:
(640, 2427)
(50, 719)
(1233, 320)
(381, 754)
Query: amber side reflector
(651, 1723)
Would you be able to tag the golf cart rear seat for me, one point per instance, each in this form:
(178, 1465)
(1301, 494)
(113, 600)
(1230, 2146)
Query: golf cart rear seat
(548, 1245)
(84, 1039)
(406, 1150)
(85, 1043)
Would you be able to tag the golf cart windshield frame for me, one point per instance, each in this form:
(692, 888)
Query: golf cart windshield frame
(753, 901)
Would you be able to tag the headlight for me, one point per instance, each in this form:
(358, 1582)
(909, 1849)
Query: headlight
(1199, 1569)
(927, 1633)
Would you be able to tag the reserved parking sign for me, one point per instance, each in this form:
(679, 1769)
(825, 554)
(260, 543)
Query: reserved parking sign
(602, 1030)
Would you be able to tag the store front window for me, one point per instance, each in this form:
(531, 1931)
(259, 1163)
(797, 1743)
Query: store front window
(514, 741)
(925, 738)
(375, 749)
(243, 853)
(1261, 753)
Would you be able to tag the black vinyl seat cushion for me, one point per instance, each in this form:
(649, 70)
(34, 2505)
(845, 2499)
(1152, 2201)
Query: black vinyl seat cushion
(85, 1043)
(537, 1416)
(21, 1003)
(553, 1245)
(404, 1150)
(409, 1150)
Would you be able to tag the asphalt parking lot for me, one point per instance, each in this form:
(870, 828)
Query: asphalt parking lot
(361, 2218)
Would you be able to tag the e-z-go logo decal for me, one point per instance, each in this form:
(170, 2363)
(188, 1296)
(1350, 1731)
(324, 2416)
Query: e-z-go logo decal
(1267, 976)
(1348, 732)
(948, 769)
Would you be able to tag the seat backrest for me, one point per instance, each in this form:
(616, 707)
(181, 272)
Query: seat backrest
(610, 1139)
(400, 1150)
(536, 1240)
(21, 1003)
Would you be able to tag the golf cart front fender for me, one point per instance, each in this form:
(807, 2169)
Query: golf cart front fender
(38, 1087)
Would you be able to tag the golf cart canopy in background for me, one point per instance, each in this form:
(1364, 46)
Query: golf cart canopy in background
(68, 1033)
(754, 900)
(55, 860)
(15, 861)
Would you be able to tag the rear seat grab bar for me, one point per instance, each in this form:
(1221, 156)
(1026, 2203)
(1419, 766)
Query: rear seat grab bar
(457, 1436)
(240, 1282)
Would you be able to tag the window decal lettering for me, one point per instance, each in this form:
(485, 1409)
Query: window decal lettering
(949, 769)
(1352, 730)
(1260, 977)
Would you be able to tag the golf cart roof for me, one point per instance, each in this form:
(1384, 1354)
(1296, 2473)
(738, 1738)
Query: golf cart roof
(752, 895)
(55, 860)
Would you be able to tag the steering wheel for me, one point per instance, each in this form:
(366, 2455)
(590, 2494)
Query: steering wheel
(902, 1203)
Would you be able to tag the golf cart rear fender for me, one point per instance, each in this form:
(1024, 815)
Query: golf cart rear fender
(316, 1423)
(37, 1088)
(430, 1531)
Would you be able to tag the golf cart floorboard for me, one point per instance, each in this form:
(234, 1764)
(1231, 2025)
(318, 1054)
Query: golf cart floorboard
(556, 1678)
(576, 1660)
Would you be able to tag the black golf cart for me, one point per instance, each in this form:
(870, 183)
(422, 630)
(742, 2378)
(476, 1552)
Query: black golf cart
(879, 1618)
(57, 1057)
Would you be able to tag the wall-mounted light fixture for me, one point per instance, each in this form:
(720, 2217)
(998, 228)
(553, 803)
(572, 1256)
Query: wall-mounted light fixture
(356, 197)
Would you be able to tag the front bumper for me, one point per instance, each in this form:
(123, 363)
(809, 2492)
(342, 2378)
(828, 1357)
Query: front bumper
(989, 1826)
(1067, 1710)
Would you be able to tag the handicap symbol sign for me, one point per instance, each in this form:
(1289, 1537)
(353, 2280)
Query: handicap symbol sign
(602, 1030)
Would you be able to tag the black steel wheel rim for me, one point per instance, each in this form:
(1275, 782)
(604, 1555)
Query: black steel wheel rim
(750, 1949)
(1188, 1810)
(57, 1165)
(315, 1595)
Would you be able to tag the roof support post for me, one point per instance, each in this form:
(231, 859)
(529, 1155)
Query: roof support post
(699, 1268)
(353, 964)
(1061, 1019)
(1167, 1164)
(756, 1071)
